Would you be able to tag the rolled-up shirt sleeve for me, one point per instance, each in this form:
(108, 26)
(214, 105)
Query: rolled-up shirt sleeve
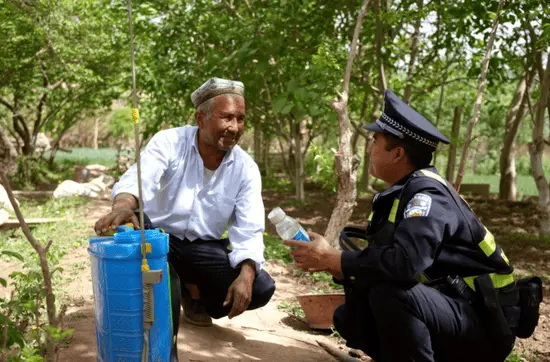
(154, 161)
(247, 223)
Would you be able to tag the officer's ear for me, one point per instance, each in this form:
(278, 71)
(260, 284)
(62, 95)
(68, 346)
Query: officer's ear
(400, 155)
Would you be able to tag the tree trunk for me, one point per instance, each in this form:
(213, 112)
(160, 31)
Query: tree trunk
(345, 162)
(379, 41)
(474, 160)
(479, 98)
(96, 133)
(366, 160)
(257, 143)
(377, 98)
(439, 109)
(451, 161)
(536, 149)
(8, 154)
(265, 157)
(354, 141)
(368, 140)
(514, 117)
(299, 162)
(414, 51)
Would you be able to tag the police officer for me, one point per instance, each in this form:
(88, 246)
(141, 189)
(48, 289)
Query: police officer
(414, 293)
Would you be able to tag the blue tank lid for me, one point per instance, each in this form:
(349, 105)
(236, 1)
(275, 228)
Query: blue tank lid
(127, 244)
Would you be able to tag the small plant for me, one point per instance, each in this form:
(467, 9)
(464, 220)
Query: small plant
(335, 334)
(515, 357)
(279, 184)
(276, 250)
(292, 308)
(32, 314)
(320, 167)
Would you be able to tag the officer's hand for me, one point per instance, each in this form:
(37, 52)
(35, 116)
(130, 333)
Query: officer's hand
(240, 293)
(112, 220)
(310, 256)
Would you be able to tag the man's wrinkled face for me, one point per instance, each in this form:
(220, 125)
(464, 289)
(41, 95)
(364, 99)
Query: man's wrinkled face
(226, 124)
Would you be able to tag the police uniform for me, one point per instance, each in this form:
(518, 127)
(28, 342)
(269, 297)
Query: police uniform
(410, 295)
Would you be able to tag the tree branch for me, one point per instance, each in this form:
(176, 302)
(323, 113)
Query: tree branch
(7, 105)
(479, 98)
(40, 250)
(379, 38)
(62, 104)
(437, 85)
(231, 7)
(41, 102)
(250, 8)
(414, 52)
(353, 50)
(344, 161)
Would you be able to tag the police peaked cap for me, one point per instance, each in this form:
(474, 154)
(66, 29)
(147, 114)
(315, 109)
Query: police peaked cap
(402, 121)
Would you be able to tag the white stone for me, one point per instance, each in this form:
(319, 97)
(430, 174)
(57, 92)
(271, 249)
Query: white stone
(4, 200)
(97, 188)
(4, 216)
(42, 143)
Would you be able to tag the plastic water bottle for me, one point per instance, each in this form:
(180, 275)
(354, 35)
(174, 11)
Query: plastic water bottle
(287, 227)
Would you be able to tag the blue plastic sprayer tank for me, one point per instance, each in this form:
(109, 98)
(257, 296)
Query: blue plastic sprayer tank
(118, 296)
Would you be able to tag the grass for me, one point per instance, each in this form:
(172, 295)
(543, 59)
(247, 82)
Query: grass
(276, 250)
(87, 156)
(67, 235)
(525, 185)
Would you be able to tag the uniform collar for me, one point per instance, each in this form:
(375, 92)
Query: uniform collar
(401, 183)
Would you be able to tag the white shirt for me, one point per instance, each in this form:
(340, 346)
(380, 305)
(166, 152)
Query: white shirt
(176, 198)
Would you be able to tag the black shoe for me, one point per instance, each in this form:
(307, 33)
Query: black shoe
(193, 311)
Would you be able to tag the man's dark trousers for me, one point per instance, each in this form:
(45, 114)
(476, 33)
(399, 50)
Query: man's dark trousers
(206, 264)
(418, 324)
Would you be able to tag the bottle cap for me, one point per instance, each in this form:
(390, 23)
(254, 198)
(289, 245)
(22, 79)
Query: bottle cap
(276, 215)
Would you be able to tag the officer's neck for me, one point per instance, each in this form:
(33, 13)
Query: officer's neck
(400, 174)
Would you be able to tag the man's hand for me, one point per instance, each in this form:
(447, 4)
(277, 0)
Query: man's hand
(316, 255)
(122, 213)
(112, 220)
(240, 291)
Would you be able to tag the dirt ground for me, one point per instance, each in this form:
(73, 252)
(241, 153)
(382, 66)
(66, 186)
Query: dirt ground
(268, 334)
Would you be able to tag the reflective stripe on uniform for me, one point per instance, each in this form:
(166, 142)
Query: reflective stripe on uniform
(488, 243)
(499, 280)
(434, 176)
(393, 212)
(503, 256)
(422, 278)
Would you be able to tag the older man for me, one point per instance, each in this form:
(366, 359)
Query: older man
(432, 285)
(197, 182)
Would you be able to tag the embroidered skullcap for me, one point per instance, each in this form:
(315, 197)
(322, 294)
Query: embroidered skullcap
(215, 87)
(402, 121)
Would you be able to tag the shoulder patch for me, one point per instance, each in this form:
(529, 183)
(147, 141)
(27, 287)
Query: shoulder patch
(419, 205)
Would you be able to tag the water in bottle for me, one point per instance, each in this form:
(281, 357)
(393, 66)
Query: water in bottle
(287, 227)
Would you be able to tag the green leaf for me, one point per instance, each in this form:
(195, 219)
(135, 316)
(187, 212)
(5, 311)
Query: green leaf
(3, 282)
(293, 84)
(279, 103)
(13, 254)
(287, 108)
